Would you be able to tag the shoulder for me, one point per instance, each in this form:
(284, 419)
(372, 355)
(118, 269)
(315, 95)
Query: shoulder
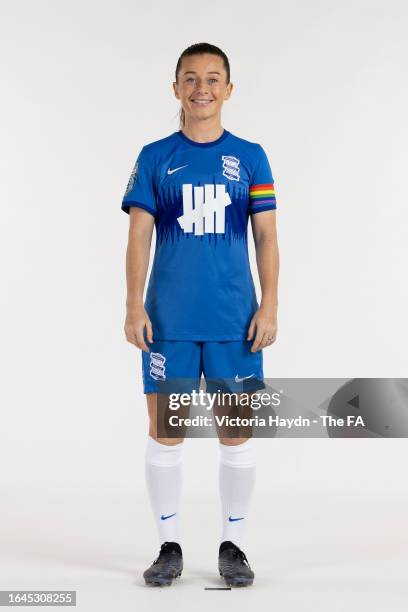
(156, 147)
(251, 153)
(252, 147)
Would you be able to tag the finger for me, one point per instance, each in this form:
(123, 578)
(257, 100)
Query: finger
(251, 330)
(149, 331)
(265, 341)
(130, 336)
(270, 335)
(258, 340)
(269, 338)
(140, 341)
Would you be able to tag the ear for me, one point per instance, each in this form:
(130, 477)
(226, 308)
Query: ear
(230, 87)
(175, 89)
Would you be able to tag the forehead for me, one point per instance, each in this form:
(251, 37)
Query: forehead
(202, 64)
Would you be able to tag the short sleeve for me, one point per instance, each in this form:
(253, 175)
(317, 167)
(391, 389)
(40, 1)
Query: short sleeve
(261, 188)
(140, 190)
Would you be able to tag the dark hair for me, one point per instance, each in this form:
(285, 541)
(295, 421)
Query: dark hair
(200, 49)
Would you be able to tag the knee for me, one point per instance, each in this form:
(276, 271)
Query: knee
(238, 455)
(163, 455)
(168, 441)
(233, 441)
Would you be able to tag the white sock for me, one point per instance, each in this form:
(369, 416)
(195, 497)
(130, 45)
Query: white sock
(164, 480)
(236, 482)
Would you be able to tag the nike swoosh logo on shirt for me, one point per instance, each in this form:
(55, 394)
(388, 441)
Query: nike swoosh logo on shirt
(169, 171)
(237, 379)
(163, 518)
(235, 519)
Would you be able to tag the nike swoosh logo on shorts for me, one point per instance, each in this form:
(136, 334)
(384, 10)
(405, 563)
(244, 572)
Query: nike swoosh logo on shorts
(169, 171)
(231, 520)
(238, 379)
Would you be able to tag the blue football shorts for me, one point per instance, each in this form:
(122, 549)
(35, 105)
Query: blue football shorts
(177, 366)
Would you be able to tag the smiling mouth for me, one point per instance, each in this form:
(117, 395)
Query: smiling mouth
(202, 102)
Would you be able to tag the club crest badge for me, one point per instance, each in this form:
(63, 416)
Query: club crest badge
(132, 178)
(230, 167)
(157, 367)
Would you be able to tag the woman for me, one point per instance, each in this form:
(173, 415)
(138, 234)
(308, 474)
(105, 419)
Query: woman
(198, 187)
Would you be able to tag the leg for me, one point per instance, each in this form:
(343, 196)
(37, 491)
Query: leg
(152, 399)
(163, 469)
(236, 483)
(167, 361)
(237, 471)
(236, 368)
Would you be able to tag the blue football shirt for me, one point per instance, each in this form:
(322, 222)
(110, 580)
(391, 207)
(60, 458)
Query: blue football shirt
(201, 195)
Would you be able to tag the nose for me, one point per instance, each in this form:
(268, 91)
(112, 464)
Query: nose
(201, 87)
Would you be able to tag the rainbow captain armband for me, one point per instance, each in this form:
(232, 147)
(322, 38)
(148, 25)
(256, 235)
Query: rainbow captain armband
(262, 197)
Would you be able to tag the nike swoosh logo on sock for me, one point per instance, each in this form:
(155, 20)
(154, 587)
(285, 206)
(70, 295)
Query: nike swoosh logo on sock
(163, 518)
(231, 520)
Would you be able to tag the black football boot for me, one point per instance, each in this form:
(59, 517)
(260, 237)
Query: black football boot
(168, 565)
(233, 565)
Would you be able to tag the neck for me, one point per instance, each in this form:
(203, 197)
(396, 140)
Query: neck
(203, 131)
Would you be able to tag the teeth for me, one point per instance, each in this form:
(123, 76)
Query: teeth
(202, 101)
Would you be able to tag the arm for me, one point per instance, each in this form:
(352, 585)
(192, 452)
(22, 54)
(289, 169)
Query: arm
(137, 262)
(264, 321)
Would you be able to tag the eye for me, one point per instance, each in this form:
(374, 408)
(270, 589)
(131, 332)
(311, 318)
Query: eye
(190, 79)
(213, 80)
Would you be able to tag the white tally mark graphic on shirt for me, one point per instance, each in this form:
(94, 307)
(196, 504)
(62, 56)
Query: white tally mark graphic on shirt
(132, 178)
(231, 167)
(157, 367)
(207, 206)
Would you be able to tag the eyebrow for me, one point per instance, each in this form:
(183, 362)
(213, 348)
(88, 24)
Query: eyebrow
(210, 72)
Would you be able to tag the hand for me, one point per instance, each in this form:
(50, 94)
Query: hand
(264, 322)
(136, 321)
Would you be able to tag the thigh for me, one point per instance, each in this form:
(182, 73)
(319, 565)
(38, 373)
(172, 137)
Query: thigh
(156, 428)
(233, 366)
(171, 362)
